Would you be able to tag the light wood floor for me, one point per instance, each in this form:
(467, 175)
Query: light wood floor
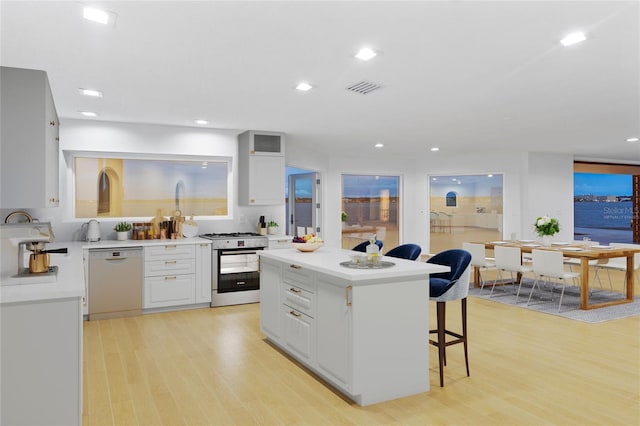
(213, 367)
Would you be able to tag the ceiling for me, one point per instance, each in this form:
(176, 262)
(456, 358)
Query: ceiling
(464, 76)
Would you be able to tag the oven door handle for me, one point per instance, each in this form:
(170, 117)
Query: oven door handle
(229, 252)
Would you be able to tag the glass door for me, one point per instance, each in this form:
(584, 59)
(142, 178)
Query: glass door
(303, 206)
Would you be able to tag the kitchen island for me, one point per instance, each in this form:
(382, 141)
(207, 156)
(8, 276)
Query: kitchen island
(365, 331)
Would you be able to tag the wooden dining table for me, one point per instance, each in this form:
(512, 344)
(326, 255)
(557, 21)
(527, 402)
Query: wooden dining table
(585, 253)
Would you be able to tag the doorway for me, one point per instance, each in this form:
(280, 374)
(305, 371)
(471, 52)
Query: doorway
(302, 190)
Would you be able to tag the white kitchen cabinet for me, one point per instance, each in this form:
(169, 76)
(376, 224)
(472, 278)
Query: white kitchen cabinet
(203, 273)
(270, 281)
(41, 363)
(30, 140)
(298, 333)
(261, 168)
(169, 290)
(170, 275)
(334, 332)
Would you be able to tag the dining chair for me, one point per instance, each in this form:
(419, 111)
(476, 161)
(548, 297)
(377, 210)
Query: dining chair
(620, 264)
(549, 265)
(445, 287)
(509, 259)
(405, 251)
(479, 260)
(574, 262)
(362, 247)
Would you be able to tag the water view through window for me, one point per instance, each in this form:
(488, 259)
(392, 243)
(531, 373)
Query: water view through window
(603, 207)
(370, 205)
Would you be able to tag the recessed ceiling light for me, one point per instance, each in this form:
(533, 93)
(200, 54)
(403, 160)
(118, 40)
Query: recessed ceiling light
(435, 148)
(88, 113)
(90, 92)
(573, 38)
(202, 122)
(633, 140)
(366, 54)
(95, 15)
(379, 145)
(304, 87)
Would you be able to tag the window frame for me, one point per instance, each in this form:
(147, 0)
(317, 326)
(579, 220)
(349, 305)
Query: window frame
(70, 157)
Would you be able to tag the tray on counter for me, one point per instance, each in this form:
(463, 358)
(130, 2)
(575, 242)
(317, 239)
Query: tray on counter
(383, 264)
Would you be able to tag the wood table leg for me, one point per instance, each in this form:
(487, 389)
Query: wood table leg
(584, 283)
(630, 277)
(476, 277)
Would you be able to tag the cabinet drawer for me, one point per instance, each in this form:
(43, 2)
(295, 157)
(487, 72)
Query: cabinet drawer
(299, 277)
(299, 299)
(169, 267)
(169, 291)
(298, 333)
(170, 252)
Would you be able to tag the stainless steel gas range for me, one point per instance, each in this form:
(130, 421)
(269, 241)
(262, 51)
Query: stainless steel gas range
(235, 274)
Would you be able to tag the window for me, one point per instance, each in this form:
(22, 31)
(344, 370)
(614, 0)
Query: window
(134, 187)
(371, 206)
(464, 208)
(603, 202)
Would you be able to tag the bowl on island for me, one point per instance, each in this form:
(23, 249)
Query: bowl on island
(307, 247)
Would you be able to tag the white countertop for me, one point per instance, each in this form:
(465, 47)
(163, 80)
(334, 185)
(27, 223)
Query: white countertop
(70, 279)
(327, 260)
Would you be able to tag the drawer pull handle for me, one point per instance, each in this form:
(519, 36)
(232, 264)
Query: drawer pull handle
(295, 290)
(294, 313)
(348, 295)
(170, 278)
(172, 246)
(169, 262)
(240, 282)
(295, 266)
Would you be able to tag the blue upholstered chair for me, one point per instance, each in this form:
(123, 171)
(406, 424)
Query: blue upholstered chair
(445, 287)
(363, 246)
(405, 251)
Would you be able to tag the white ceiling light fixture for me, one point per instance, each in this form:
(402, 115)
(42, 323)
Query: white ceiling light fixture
(366, 54)
(90, 92)
(88, 113)
(95, 15)
(633, 139)
(304, 87)
(202, 122)
(435, 148)
(573, 38)
(379, 145)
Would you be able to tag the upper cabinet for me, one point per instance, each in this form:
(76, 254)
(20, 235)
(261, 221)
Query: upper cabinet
(261, 168)
(29, 140)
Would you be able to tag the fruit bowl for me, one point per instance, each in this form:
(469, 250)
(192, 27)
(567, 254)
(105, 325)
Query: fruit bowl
(307, 247)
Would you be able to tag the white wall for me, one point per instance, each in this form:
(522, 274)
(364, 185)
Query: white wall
(534, 183)
(101, 136)
(528, 178)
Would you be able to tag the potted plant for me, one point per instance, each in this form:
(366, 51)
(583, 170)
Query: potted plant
(344, 216)
(272, 227)
(122, 231)
(546, 227)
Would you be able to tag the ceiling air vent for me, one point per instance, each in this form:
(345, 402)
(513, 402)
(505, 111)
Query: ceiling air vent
(364, 87)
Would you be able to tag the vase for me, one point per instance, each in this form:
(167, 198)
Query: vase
(272, 230)
(122, 236)
(546, 240)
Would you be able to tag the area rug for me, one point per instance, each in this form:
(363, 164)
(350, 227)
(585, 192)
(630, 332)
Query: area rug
(542, 302)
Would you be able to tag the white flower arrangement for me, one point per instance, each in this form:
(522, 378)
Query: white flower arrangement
(546, 225)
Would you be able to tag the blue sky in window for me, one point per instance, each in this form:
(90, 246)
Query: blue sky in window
(601, 184)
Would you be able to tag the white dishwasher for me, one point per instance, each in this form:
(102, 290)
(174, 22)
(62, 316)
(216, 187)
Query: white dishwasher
(115, 282)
